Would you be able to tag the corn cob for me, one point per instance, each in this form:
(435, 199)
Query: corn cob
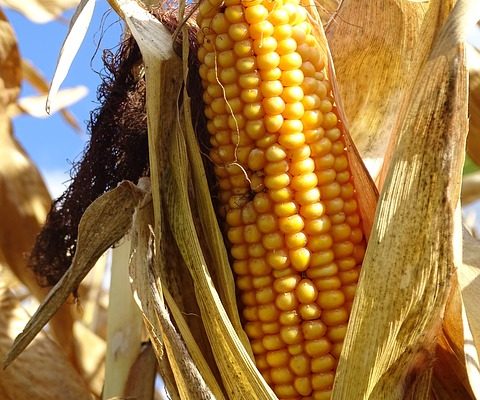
(285, 187)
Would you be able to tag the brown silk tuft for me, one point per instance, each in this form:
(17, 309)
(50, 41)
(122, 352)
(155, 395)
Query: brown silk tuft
(117, 150)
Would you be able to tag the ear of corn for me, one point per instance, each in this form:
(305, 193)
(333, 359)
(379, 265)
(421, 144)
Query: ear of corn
(284, 186)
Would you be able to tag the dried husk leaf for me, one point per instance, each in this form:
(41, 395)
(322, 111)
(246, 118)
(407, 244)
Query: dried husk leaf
(241, 378)
(40, 11)
(327, 10)
(206, 212)
(192, 346)
(140, 258)
(148, 294)
(35, 374)
(378, 48)
(124, 325)
(100, 227)
(451, 378)
(76, 33)
(473, 140)
(413, 251)
(367, 194)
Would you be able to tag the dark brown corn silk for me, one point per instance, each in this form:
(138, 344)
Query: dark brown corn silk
(117, 150)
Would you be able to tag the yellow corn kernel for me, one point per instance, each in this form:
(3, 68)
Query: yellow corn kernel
(284, 185)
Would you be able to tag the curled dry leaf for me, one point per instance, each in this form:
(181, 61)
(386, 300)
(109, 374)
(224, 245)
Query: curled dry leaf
(76, 33)
(141, 256)
(165, 339)
(189, 381)
(35, 374)
(35, 78)
(101, 226)
(371, 43)
(412, 252)
(40, 11)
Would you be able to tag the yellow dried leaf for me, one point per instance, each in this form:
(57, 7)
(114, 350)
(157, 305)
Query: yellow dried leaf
(76, 33)
(35, 78)
(40, 11)
(413, 249)
(10, 72)
(378, 49)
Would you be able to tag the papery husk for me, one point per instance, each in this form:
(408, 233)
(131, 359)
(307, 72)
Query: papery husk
(378, 49)
(413, 251)
(366, 191)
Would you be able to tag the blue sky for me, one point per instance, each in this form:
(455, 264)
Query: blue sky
(51, 143)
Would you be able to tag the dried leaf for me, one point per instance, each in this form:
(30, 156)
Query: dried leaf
(206, 212)
(35, 105)
(192, 346)
(450, 380)
(240, 376)
(141, 256)
(76, 33)
(35, 78)
(188, 380)
(413, 249)
(35, 374)
(40, 11)
(367, 194)
(24, 204)
(100, 227)
(376, 67)
(10, 72)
